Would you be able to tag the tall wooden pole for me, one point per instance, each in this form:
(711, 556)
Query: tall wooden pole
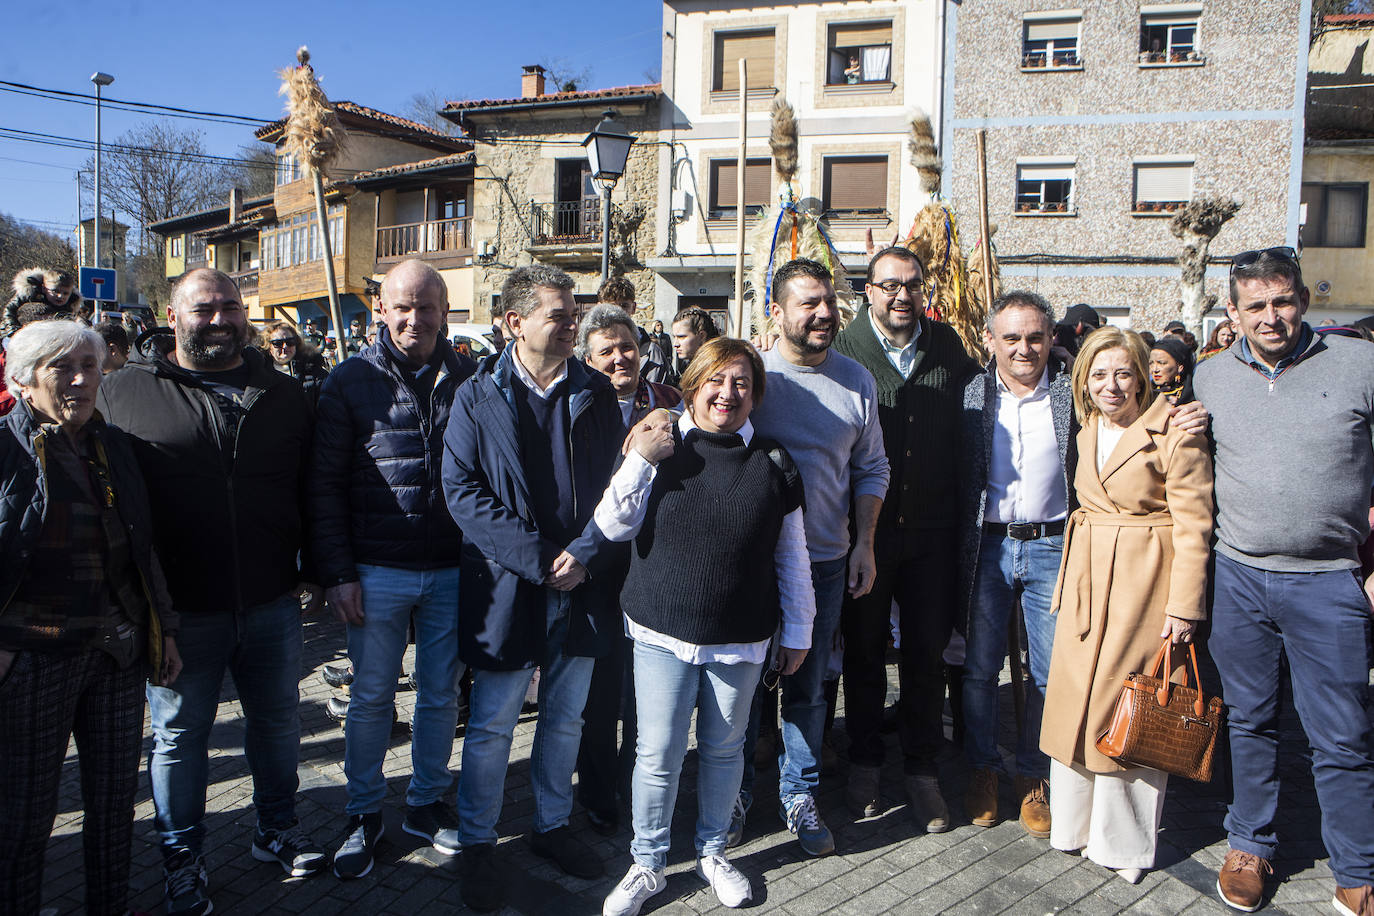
(740, 330)
(983, 213)
(334, 309)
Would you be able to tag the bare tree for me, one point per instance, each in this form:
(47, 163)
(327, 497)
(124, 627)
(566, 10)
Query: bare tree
(424, 107)
(564, 75)
(1196, 223)
(252, 174)
(23, 246)
(154, 172)
(1323, 8)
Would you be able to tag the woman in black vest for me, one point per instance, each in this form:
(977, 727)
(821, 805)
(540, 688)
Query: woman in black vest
(688, 494)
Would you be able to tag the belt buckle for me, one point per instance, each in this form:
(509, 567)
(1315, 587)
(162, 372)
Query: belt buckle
(1023, 531)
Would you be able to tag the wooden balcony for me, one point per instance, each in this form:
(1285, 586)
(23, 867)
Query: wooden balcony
(446, 241)
(247, 281)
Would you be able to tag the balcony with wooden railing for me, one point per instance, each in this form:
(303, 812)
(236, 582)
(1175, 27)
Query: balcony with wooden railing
(440, 240)
(246, 280)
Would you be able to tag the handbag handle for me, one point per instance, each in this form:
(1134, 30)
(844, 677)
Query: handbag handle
(1164, 666)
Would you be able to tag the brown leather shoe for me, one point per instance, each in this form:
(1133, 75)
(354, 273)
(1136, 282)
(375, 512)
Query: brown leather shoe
(1354, 901)
(1241, 880)
(980, 802)
(1035, 807)
(861, 793)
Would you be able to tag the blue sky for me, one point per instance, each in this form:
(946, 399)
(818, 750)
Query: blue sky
(223, 57)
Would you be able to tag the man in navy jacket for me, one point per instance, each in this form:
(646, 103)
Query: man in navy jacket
(390, 553)
(529, 449)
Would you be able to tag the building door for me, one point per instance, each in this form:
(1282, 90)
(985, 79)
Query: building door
(575, 204)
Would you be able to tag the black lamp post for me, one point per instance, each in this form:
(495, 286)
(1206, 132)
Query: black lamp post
(608, 147)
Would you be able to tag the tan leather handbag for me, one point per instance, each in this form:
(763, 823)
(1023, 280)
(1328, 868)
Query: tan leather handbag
(1165, 726)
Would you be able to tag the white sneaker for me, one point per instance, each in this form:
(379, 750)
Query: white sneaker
(638, 885)
(731, 887)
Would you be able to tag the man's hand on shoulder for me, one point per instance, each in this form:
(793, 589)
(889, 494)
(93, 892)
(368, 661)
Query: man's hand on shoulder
(1191, 417)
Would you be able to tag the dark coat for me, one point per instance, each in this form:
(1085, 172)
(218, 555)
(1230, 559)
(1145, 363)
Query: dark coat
(502, 609)
(376, 495)
(980, 420)
(230, 528)
(24, 504)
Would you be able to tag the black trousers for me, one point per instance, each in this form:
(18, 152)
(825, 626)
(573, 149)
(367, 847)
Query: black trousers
(602, 768)
(918, 569)
(44, 700)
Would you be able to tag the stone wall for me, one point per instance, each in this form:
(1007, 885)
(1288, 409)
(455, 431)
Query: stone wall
(516, 164)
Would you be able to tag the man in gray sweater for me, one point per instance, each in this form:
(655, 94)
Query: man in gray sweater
(1293, 425)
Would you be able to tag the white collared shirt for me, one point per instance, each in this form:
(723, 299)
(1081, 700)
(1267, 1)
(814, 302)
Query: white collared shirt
(903, 359)
(619, 516)
(527, 378)
(1025, 474)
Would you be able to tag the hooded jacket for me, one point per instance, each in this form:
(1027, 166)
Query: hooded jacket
(376, 494)
(230, 525)
(28, 287)
(502, 607)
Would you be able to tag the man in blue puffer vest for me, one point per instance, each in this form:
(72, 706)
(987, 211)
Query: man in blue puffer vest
(390, 551)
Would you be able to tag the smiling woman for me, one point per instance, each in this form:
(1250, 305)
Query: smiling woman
(87, 619)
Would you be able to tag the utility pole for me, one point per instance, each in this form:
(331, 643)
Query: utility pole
(100, 80)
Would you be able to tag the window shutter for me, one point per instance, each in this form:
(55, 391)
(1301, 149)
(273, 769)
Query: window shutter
(755, 47)
(856, 184)
(758, 182)
(1052, 29)
(1344, 217)
(1045, 172)
(1163, 182)
(858, 34)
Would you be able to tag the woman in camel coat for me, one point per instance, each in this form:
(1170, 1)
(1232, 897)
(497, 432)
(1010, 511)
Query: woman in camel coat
(1134, 571)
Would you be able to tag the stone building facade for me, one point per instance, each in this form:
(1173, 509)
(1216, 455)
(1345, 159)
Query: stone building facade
(1102, 120)
(534, 200)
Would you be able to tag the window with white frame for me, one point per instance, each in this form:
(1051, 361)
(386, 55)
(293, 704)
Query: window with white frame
(1169, 35)
(195, 248)
(174, 246)
(288, 169)
(297, 240)
(1163, 186)
(1045, 187)
(1051, 42)
(859, 52)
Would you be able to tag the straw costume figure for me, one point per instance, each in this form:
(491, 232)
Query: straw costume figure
(791, 231)
(314, 136)
(954, 281)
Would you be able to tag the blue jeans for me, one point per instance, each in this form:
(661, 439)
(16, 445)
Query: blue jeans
(1321, 620)
(392, 599)
(1006, 568)
(261, 648)
(667, 690)
(803, 695)
(494, 710)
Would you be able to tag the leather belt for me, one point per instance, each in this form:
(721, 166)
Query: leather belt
(1024, 531)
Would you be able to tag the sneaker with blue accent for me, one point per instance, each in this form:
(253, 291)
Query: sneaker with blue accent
(804, 821)
(187, 884)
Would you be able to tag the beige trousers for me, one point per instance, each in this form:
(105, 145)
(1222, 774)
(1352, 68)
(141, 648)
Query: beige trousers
(1112, 818)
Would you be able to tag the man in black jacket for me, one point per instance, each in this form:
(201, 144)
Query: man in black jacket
(920, 367)
(388, 554)
(223, 440)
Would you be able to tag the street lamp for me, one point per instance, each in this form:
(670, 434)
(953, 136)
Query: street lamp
(100, 80)
(608, 146)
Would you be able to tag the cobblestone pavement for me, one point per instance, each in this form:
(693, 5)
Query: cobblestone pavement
(884, 865)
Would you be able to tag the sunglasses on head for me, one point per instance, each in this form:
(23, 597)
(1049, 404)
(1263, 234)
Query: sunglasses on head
(282, 343)
(1246, 258)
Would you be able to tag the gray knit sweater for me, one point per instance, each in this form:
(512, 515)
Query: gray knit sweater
(1294, 457)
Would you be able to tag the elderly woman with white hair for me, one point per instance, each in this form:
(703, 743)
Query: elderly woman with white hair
(85, 617)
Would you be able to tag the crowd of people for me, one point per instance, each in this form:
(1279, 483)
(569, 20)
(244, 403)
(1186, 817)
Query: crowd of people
(674, 526)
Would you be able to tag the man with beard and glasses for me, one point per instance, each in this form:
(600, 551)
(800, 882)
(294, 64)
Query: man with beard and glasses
(919, 367)
(822, 407)
(224, 440)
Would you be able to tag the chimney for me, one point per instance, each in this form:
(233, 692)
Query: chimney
(532, 82)
(235, 205)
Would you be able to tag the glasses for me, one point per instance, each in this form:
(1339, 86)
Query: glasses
(915, 287)
(1246, 258)
(281, 343)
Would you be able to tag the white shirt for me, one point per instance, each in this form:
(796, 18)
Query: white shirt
(539, 391)
(620, 514)
(903, 359)
(1107, 438)
(1025, 474)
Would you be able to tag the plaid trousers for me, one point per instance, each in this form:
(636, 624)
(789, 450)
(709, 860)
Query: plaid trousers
(45, 698)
